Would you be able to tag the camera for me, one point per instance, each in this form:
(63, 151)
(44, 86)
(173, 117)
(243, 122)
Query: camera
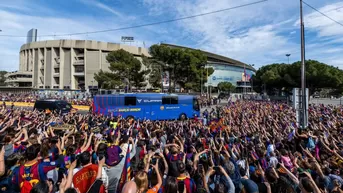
(153, 161)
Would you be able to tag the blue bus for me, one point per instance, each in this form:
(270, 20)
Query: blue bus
(152, 106)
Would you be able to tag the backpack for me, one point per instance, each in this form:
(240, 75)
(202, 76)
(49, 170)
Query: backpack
(26, 174)
(174, 160)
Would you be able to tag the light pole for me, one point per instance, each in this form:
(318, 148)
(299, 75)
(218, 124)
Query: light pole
(303, 71)
(201, 81)
(208, 94)
(288, 55)
(252, 80)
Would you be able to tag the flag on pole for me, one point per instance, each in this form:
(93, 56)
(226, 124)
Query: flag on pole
(126, 173)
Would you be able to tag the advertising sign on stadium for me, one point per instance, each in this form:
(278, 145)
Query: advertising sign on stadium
(127, 39)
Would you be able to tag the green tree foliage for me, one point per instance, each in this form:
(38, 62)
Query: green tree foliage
(156, 69)
(124, 69)
(226, 87)
(284, 77)
(2, 78)
(186, 67)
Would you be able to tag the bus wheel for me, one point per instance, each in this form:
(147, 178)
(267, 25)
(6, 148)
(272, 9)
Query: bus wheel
(183, 117)
(129, 117)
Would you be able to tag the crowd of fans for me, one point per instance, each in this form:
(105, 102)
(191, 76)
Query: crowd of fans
(240, 147)
(75, 99)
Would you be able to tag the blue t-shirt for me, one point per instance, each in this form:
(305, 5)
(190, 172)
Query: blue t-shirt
(249, 185)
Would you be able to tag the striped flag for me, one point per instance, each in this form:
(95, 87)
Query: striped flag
(126, 173)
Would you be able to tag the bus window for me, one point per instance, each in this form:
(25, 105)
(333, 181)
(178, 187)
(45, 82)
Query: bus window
(196, 104)
(174, 100)
(165, 100)
(130, 101)
(170, 100)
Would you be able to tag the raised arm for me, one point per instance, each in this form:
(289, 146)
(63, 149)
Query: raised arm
(2, 161)
(159, 178)
(166, 168)
(230, 184)
(88, 143)
(291, 176)
(146, 169)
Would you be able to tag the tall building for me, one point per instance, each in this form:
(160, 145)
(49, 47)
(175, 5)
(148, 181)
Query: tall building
(31, 36)
(69, 64)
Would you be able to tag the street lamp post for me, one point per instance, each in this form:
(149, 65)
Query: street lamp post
(288, 55)
(252, 81)
(208, 94)
(303, 71)
(201, 81)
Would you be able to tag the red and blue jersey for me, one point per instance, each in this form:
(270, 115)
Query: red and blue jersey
(33, 172)
(189, 183)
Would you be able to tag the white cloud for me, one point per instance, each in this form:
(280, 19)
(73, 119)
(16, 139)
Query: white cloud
(259, 34)
(102, 6)
(18, 24)
(325, 27)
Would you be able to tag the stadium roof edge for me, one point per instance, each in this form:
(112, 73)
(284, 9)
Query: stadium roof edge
(224, 59)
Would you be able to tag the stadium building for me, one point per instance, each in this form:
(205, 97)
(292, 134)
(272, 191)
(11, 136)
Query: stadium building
(68, 64)
(71, 64)
(225, 69)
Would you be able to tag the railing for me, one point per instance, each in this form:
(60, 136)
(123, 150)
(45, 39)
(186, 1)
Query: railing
(79, 62)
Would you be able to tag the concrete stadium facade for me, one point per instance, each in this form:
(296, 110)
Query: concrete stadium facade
(69, 64)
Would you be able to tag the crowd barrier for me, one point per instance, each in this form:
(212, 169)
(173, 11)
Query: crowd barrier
(23, 104)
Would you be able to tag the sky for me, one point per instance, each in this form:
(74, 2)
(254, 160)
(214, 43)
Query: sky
(258, 34)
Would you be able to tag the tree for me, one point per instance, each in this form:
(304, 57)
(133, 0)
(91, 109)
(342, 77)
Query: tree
(125, 70)
(186, 67)
(156, 69)
(107, 80)
(226, 87)
(283, 77)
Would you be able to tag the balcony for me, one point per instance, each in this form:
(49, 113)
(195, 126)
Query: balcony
(41, 68)
(79, 62)
(79, 74)
(56, 75)
(57, 60)
(56, 66)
